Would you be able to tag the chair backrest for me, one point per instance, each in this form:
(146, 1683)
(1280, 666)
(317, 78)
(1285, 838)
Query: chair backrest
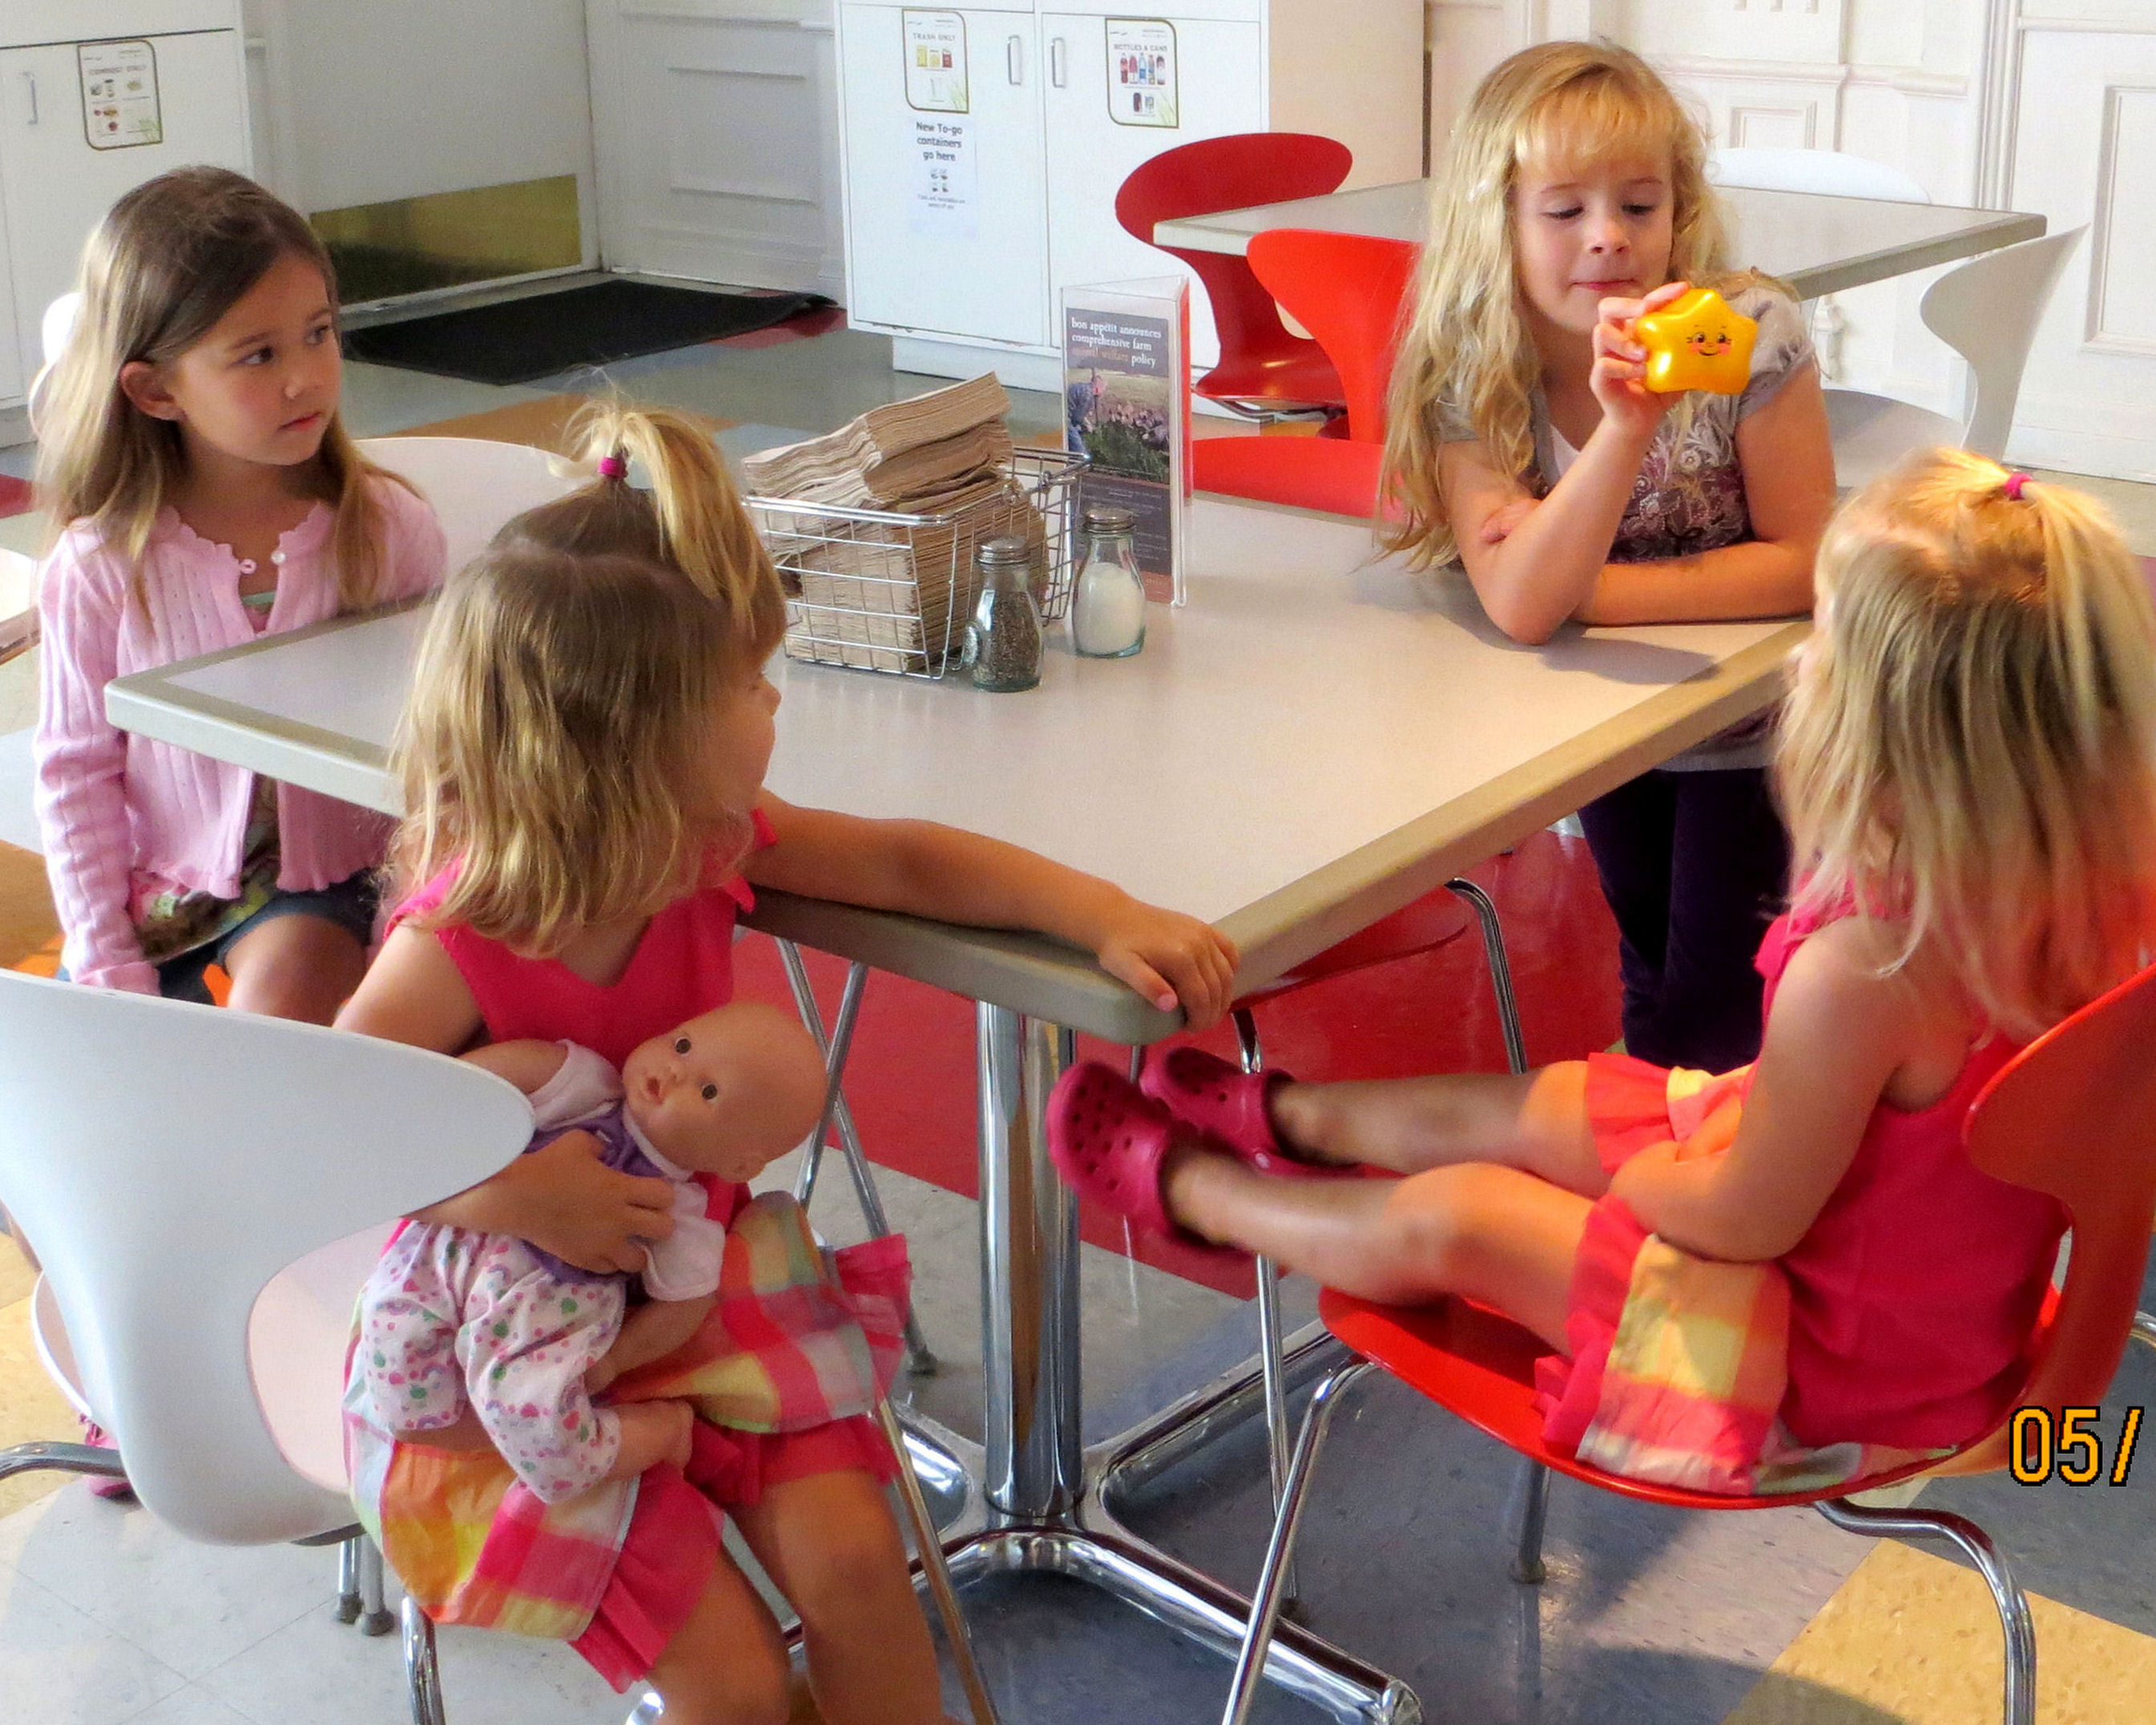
(1349, 290)
(53, 333)
(1833, 173)
(1230, 172)
(475, 485)
(1987, 311)
(2071, 1115)
(166, 1161)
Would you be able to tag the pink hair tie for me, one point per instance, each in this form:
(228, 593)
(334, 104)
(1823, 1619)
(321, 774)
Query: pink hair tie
(614, 467)
(2014, 481)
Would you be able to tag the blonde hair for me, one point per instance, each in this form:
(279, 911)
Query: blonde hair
(1971, 747)
(552, 735)
(1464, 343)
(691, 519)
(169, 259)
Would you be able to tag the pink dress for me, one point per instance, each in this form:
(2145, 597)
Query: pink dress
(1911, 1297)
(682, 965)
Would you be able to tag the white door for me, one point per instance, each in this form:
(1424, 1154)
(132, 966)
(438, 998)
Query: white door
(57, 187)
(946, 210)
(716, 131)
(1219, 89)
(2084, 150)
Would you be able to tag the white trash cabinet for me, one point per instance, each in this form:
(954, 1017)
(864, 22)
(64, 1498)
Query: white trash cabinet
(964, 223)
(95, 97)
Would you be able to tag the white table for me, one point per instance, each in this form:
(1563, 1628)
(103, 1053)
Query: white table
(1316, 740)
(1818, 245)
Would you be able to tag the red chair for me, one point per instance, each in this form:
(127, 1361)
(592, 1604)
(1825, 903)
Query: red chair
(1264, 370)
(1349, 291)
(2068, 1116)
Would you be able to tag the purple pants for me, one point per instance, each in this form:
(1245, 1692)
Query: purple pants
(1694, 865)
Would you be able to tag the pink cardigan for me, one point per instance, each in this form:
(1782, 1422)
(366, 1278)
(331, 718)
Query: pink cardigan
(114, 807)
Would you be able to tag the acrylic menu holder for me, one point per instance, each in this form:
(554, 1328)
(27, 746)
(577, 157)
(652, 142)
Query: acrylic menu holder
(1126, 409)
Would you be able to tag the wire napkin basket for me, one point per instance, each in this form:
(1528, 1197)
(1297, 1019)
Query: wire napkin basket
(878, 590)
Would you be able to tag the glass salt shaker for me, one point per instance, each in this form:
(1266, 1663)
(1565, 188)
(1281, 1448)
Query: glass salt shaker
(1107, 611)
(1002, 643)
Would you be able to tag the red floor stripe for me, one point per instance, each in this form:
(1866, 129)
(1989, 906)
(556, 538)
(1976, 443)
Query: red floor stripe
(912, 1077)
(14, 495)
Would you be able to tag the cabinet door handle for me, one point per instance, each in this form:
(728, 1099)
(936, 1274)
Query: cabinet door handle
(1058, 70)
(30, 89)
(1014, 58)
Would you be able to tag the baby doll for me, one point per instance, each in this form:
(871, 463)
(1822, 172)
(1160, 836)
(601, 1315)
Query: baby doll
(468, 1338)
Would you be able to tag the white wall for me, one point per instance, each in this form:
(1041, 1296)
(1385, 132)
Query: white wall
(365, 102)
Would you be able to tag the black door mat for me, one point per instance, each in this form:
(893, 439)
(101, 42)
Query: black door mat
(518, 340)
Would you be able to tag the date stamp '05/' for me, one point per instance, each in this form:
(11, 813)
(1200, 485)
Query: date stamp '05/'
(2069, 1445)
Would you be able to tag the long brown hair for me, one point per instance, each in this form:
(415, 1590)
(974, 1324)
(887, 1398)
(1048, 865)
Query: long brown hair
(1969, 749)
(690, 519)
(1464, 343)
(169, 259)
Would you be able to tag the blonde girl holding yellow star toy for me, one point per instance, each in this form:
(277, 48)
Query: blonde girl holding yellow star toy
(1530, 442)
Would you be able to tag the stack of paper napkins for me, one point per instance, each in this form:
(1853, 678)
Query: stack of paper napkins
(884, 595)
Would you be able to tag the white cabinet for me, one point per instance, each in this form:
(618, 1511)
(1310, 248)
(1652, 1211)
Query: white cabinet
(154, 85)
(965, 253)
(976, 261)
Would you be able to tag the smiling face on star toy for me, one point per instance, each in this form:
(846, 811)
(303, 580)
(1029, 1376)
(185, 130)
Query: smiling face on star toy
(1696, 342)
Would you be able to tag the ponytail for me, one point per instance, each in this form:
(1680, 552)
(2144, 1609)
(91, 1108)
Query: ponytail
(690, 520)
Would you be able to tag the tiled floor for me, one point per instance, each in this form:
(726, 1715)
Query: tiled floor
(107, 1619)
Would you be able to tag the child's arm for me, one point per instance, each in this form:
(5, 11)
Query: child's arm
(528, 1064)
(651, 1331)
(651, 1432)
(926, 870)
(1839, 1034)
(560, 1197)
(1788, 464)
(81, 768)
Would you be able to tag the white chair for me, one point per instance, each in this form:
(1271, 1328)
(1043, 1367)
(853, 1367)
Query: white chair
(18, 603)
(475, 484)
(53, 335)
(1987, 311)
(204, 1243)
(1831, 173)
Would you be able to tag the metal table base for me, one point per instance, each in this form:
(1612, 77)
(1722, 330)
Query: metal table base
(1031, 1496)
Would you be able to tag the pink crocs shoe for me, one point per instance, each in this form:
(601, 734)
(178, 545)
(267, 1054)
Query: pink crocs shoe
(1231, 1106)
(102, 1484)
(1108, 1140)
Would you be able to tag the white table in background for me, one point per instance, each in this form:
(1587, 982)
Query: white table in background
(1817, 245)
(1317, 739)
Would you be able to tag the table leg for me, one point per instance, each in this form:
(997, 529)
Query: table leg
(1029, 1277)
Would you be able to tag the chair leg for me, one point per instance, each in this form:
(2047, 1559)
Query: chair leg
(375, 1618)
(2144, 1328)
(1501, 971)
(1272, 1338)
(90, 1459)
(1531, 1498)
(920, 1361)
(2014, 1619)
(347, 1599)
(423, 1676)
(928, 1543)
(1272, 1578)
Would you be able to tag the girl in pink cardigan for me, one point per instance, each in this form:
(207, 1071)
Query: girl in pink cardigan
(208, 495)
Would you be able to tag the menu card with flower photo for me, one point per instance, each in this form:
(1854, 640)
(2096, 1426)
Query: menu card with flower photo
(1127, 408)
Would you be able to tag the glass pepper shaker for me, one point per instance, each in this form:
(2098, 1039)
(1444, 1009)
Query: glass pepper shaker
(1107, 611)
(1002, 644)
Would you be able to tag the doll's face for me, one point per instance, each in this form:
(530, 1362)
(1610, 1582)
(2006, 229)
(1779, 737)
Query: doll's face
(682, 1091)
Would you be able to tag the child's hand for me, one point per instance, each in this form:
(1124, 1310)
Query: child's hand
(1169, 957)
(587, 1214)
(1620, 363)
(1505, 521)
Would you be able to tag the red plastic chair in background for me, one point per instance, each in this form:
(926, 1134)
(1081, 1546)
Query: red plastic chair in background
(2068, 1116)
(1349, 291)
(1263, 370)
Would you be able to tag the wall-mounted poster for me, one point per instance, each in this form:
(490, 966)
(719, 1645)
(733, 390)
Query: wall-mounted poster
(934, 62)
(120, 107)
(944, 201)
(1142, 72)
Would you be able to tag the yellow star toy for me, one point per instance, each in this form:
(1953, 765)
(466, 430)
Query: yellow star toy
(1697, 343)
